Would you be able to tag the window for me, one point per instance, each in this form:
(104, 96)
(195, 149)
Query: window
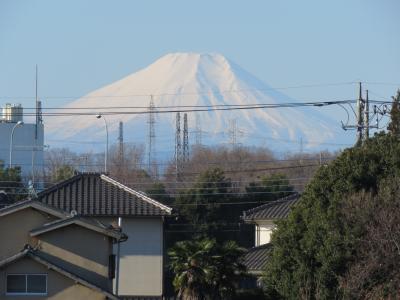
(27, 284)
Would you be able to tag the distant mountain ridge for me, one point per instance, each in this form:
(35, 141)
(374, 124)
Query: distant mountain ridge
(193, 79)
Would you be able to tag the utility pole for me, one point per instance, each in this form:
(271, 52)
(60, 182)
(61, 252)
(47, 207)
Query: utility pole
(360, 123)
(366, 116)
(185, 138)
(34, 146)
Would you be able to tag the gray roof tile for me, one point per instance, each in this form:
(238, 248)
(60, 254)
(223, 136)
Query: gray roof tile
(94, 194)
(256, 258)
(273, 210)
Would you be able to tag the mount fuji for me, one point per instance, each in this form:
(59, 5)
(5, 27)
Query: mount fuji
(193, 79)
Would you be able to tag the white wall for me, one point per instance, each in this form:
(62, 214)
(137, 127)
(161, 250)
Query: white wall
(141, 263)
(263, 232)
(23, 146)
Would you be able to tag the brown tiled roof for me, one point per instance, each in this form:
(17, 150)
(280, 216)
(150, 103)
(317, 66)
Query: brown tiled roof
(278, 209)
(94, 194)
(33, 254)
(256, 258)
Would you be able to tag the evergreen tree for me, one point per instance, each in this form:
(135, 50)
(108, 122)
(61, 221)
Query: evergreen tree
(314, 246)
(394, 125)
(205, 269)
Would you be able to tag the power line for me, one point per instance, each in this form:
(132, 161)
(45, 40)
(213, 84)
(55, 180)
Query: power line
(212, 92)
(207, 109)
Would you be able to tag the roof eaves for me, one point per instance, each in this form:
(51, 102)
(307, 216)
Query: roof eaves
(13, 258)
(34, 204)
(78, 221)
(31, 254)
(70, 275)
(137, 194)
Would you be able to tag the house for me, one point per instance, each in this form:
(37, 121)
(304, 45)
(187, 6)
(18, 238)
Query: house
(81, 227)
(264, 218)
(48, 253)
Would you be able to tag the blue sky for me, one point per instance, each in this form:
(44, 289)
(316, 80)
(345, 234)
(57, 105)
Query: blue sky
(83, 45)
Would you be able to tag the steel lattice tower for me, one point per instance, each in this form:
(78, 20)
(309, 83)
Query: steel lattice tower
(185, 139)
(178, 145)
(121, 143)
(151, 167)
(198, 132)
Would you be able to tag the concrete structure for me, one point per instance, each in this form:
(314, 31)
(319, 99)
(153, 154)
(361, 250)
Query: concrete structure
(27, 147)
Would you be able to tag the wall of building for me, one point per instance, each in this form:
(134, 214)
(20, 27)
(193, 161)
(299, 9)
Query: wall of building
(79, 250)
(59, 287)
(15, 227)
(263, 232)
(141, 263)
(23, 147)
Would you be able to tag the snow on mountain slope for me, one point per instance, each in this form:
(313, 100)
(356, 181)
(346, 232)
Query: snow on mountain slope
(192, 79)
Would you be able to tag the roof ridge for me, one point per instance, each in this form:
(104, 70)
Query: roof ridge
(137, 194)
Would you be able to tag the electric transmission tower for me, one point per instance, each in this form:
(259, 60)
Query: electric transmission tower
(185, 156)
(151, 165)
(232, 132)
(198, 132)
(178, 146)
(121, 143)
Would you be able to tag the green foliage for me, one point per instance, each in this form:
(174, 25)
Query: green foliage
(202, 204)
(205, 269)
(394, 125)
(269, 188)
(10, 182)
(157, 191)
(314, 246)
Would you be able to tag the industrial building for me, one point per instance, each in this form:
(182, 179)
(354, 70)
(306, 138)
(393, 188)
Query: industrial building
(21, 143)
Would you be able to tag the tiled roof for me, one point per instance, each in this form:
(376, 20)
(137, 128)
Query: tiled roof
(31, 253)
(256, 258)
(278, 209)
(80, 221)
(94, 194)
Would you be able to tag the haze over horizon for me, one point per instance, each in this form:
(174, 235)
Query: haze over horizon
(82, 46)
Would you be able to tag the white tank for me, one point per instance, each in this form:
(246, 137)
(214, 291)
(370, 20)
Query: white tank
(12, 113)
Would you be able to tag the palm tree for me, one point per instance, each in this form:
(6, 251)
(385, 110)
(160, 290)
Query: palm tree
(205, 270)
(188, 261)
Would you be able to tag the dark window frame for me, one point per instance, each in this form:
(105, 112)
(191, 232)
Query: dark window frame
(26, 292)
